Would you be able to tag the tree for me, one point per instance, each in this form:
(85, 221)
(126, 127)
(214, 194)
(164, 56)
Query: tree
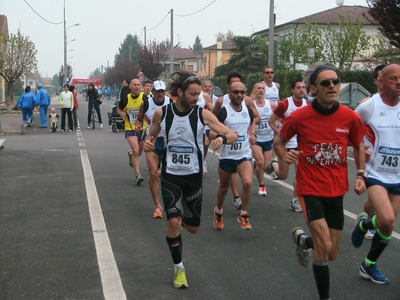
(225, 36)
(129, 50)
(122, 70)
(197, 44)
(248, 54)
(386, 14)
(61, 75)
(18, 58)
(150, 60)
(345, 43)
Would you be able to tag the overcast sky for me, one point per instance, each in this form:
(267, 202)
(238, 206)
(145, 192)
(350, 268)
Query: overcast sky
(105, 24)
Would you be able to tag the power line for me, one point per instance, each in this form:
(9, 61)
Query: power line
(41, 16)
(195, 11)
(160, 22)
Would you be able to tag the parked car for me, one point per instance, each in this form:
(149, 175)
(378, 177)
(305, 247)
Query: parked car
(217, 91)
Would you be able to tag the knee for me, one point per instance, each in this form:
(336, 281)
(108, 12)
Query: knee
(386, 222)
(247, 183)
(192, 230)
(323, 250)
(174, 224)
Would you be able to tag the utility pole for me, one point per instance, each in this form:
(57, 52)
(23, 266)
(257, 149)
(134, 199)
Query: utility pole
(271, 34)
(65, 49)
(144, 35)
(171, 52)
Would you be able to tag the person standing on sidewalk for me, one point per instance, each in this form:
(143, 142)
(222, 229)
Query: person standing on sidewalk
(26, 103)
(381, 116)
(72, 89)
(128, 109)
(183, 124)
(67, 106)
(44, 102)
(322, 172)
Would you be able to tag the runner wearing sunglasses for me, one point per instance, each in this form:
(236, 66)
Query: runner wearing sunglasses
(324, 130)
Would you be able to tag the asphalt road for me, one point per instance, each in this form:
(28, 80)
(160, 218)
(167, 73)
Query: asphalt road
(73, 225)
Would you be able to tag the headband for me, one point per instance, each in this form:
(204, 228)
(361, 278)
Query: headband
(319, 70)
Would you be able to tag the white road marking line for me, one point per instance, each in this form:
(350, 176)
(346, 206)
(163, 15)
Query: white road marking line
(110, 278)
(290, 187)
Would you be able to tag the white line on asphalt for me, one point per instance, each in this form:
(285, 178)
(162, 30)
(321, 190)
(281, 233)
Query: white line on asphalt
(110, 278)
(286, 185)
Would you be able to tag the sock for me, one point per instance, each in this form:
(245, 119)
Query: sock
(379, 243)
(242, 212)
(305, 242)
(178, 266)
(321, 276)
(175, 247)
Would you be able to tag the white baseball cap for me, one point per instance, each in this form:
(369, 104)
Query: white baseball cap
(159, 85)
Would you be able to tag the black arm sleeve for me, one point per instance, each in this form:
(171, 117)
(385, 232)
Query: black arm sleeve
(251, 115)
(222, 114)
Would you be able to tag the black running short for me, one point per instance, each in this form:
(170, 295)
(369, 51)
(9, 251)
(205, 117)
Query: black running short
(182, 197)
(329, 208)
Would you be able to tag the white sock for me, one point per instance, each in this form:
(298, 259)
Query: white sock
(178, 266)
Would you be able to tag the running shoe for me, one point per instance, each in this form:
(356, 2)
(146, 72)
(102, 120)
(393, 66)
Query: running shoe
(158, 212)
(180, 281)
(270, 168)
(243, 219)
(69, 130)
(274, 176)
(101, 125)
(373, 274)
(262, 191)
(357, 235)
(88, 127)
(218, 219)
(295, 205)
(369, 234)
(204, 167)
(303, 256)
(130, 158)
(237, 202)
(139, 179)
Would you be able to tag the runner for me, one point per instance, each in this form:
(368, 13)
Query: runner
(183, 125)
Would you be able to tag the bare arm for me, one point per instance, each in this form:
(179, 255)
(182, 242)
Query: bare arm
(149, 144)
(359, 159)
(209, 104)
(139, 119)
(256, 115)
(218, 105)
(212, 121)
(273, 123)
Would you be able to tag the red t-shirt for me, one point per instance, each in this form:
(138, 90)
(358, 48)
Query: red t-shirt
(322, 168)
(283, 107)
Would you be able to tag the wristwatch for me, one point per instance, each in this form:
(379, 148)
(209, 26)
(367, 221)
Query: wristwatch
(362, 174)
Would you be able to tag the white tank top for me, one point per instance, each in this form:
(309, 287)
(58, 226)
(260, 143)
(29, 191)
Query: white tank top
(271, 93)
(183, 137)
(263, 130)
(291, 108)
(237, 121)
(201, 102)
(152, 109)
(383, 139)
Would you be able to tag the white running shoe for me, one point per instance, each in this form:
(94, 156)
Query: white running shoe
(295, 205)
(369, 234)
(237, 202)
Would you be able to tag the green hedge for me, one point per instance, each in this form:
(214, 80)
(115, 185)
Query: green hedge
(285, 79)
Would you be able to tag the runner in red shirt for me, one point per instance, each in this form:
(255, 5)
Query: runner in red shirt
(324, 130)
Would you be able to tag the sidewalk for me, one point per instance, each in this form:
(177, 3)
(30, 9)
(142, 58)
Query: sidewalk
(11, 124)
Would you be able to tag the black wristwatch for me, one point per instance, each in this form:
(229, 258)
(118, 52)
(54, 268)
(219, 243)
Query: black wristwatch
(362, 174)
(224, 138)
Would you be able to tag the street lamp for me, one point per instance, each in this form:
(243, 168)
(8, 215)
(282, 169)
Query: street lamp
(65, 45)
(271, 34)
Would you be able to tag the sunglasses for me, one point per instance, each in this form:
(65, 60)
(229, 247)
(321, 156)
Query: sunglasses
(236, 92)
(272, 72)
(328, 82)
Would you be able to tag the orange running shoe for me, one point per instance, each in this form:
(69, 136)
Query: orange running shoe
(243, 219)
(158, 212)
(218, 219)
